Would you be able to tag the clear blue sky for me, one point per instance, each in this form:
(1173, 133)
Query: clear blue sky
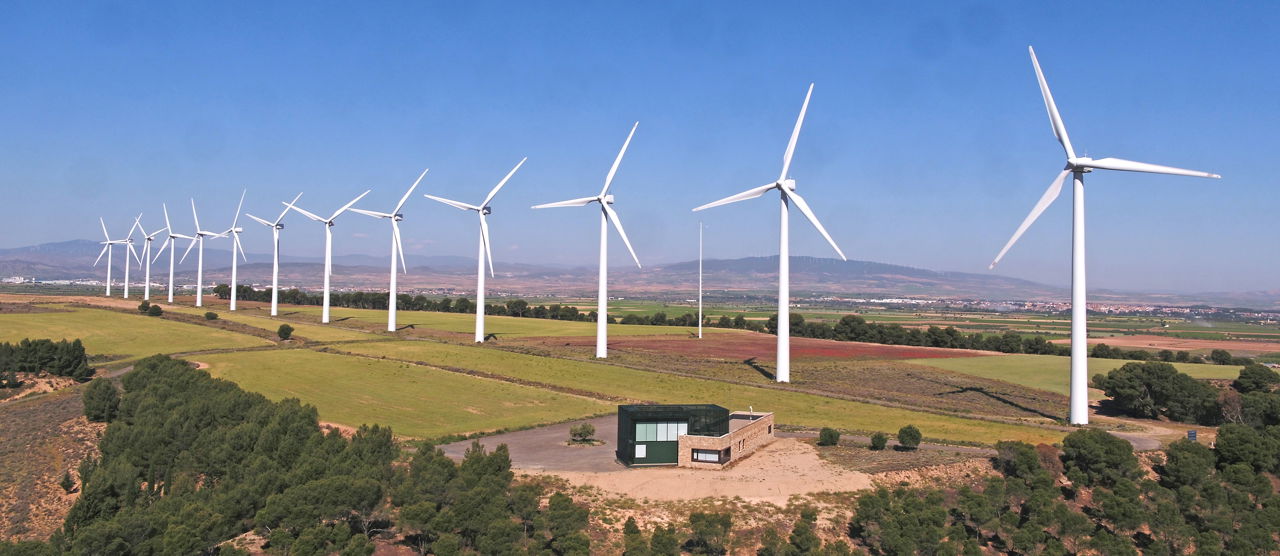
(926, 141)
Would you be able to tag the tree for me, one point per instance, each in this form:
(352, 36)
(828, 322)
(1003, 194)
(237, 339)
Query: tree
(210, 315)
(144, 306)
(223, 291)
(1153, 389)
(1221, 357)
(828, 437)
(1256, 378)
(1187, 463)
(1243, 444)
(154, 311)
(101, 401)
(1094, 457)
(879, 440)
(710, 531)
(909, 437)
(633, 541)
(284, 332)
(582, 433)
(67, 483)
(664, 542)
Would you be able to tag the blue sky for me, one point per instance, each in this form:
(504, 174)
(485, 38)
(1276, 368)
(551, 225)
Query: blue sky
(926, 141)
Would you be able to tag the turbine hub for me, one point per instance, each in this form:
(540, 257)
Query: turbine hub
(486, 211)
(279, 226)
(397, 217)
(789, 184)
(607, 199)
(328, 223)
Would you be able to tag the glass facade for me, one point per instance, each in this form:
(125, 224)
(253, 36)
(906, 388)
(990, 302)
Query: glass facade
(666, 431)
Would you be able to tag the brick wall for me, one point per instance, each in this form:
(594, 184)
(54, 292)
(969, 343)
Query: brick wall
(741, 442)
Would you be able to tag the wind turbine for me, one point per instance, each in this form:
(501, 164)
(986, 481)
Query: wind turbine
(397, 248)
(235, 231)
(485, 252)
(607, 214)
(108, 249)
(275, 226)
(699, 278)
(128, 240)
(787, 191)
(146, 255)
(169, 243)
(328, 246)
(1078, 167)
(200, 235)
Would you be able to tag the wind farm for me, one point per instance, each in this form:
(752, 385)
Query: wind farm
(424, 378)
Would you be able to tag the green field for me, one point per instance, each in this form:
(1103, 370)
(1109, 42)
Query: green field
(262, 319)
(1051, 372)
(791, 407)
(119, 334)
(414, 401)
(504, 327)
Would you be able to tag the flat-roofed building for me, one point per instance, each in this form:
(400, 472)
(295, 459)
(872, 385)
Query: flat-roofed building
(689, 435)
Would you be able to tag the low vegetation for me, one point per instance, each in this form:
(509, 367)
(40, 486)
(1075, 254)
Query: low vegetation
(909, 437)
(828, 437)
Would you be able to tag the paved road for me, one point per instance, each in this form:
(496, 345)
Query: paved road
(545, 448)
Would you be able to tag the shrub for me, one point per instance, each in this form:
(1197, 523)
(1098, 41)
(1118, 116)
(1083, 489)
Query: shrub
(101, 400)
(154, 311)
(909, 437)
(144, 306)
(1255, 378)
(582, 433)
(879, 440)
(67, 483)
(828, 437)
(210, 316)
(284, 332)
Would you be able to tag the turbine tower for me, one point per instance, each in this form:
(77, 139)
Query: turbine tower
(787, 191)
(485, 251)
(275, 226)
(128, 241)
(397, 247)
(699, 278)
(607, 214)
(328, 246)
(170, 244)
(146, 255)
(199, 238)
(235, 231)
(108, 247)
(1077, 167)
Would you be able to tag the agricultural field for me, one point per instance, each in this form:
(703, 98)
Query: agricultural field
(120, 335)
(1051, 372)
(259, 316)
(464, 323)
(415, 401)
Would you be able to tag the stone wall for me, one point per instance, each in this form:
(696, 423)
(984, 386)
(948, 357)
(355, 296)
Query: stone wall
(741, 442)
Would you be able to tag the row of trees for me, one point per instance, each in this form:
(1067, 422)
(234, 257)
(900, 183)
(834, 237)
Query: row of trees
(189, 461)
(61, 358)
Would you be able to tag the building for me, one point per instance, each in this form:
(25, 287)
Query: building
(694, 435)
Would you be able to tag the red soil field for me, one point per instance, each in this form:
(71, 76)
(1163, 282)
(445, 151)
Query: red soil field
(747, 345)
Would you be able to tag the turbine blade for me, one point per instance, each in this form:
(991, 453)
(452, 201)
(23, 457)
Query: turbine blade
(166, 216)
(409, 192)
(489, 197)
(614, 169)
(484, 238)
(1055, 119)
(193, 214)
(795, 135)
(163, 245)
(570, 203)
(813, 219)
(1131, 166)
(374, 214)
(236, 246)
(748, 194)
(101, 253)
(1045, 200)
(613, 217)
(455, 204)
(104, 229)
(236, 219)
(261, 221)
(395, 233)
(286, 210)
(188, 251)
(303, 212)
(348, 205)
(135, 255)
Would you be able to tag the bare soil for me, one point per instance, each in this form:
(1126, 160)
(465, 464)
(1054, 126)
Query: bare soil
(1149, 342)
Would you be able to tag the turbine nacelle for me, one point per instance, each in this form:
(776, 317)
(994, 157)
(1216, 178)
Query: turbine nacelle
(606, 199)
(486, 211)
(789, 185)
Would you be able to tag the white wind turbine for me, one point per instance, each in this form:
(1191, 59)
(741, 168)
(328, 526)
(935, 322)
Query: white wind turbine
(699, 278)
(170, 243)
(199, 238)
(328, 246)
(235, 231)
(275, 226)
(397, 247)
(485, 251)
(607, 214)
(787, 191)
(146, 254)
(1078, 167)
(108, 249)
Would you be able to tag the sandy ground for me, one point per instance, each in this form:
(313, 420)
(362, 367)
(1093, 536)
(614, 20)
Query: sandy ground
(773, 474)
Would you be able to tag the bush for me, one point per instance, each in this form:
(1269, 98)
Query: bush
(67, 483)
(144, 306)
(909, 437)
(1256, 378)
(210, 316)
(879, 440)
(582, 433)
(284, 332)
(828, 437)
(101, 400)
(154, 311)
